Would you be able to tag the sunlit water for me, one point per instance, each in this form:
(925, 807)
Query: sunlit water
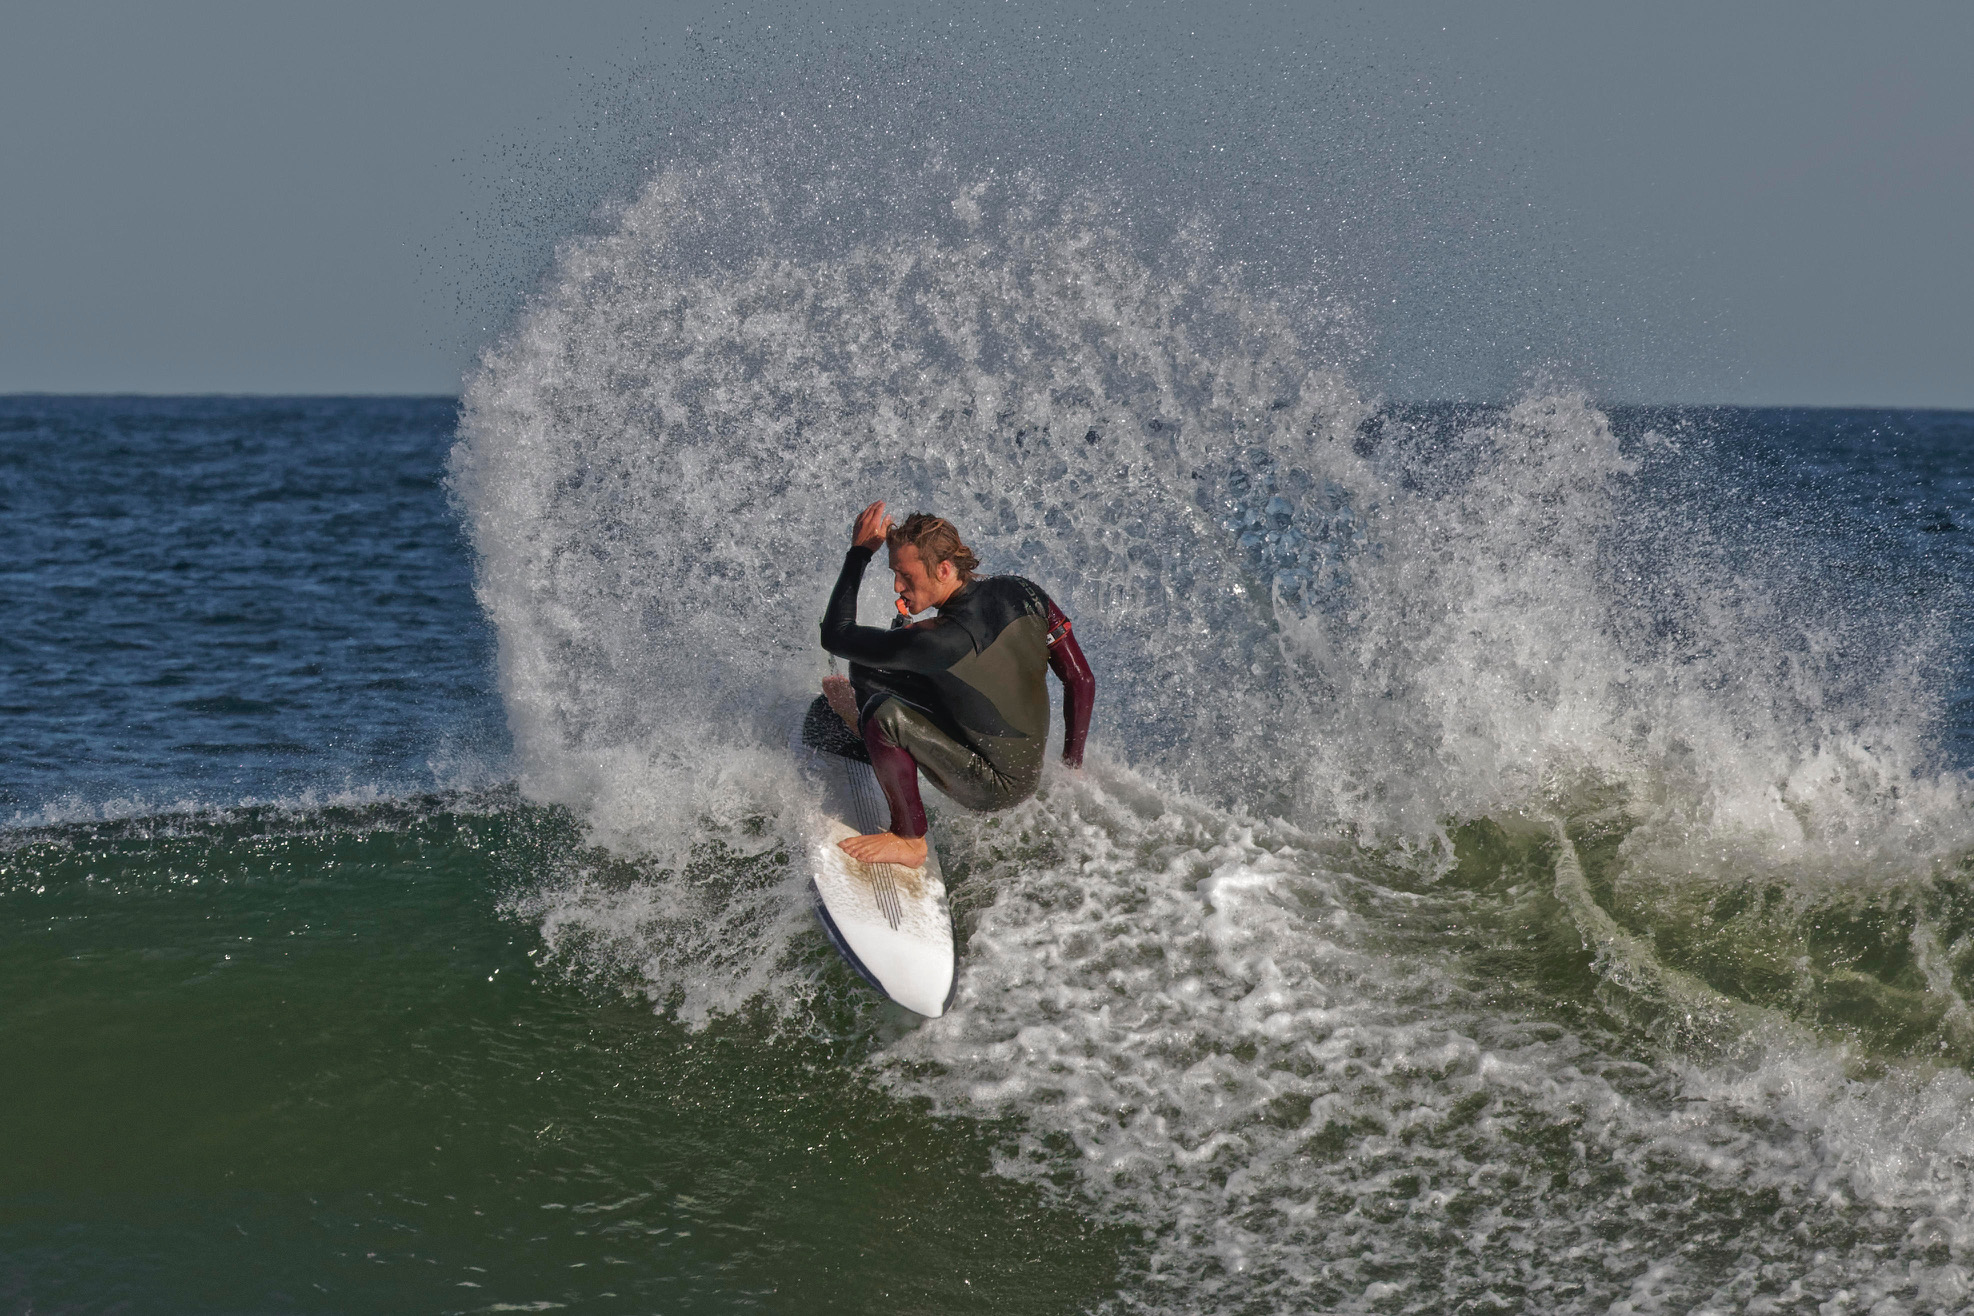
(1523, 864)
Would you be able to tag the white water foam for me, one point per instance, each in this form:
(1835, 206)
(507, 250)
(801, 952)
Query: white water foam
(1269, 1063)
(1254, 1038)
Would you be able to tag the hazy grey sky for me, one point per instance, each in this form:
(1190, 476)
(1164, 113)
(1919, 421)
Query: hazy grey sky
(1748, 202)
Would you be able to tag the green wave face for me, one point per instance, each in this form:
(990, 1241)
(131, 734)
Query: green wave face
(405, 1056)
(304, 1063)
(1708, 947)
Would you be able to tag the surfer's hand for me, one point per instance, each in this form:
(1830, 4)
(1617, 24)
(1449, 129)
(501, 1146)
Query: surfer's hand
(842, 697)
(872, 525)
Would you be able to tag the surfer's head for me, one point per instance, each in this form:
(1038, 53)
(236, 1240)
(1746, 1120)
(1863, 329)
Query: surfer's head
(929, 563)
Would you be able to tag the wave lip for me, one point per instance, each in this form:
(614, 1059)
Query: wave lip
(350, 811)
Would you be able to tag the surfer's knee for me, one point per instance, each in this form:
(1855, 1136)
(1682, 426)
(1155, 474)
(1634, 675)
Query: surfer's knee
(884, 718)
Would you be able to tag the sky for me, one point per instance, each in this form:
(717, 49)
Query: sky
(1763, 203)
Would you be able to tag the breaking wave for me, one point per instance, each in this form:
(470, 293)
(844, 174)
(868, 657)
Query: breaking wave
(1516, 866)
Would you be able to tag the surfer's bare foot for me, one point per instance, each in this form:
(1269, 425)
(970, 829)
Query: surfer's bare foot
(886, 848)
(842, 698)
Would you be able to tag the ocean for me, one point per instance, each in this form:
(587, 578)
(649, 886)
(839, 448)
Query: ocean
(1524, 862)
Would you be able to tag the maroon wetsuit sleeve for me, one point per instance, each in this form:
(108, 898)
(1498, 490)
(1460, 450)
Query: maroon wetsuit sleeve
(1079, 687)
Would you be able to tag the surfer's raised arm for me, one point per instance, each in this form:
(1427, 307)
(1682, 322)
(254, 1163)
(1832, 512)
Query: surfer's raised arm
(926, 647)
(960, 696)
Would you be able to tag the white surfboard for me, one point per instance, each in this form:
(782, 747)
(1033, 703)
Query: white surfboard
(890, 922)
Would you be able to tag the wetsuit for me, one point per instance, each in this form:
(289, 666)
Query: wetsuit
(960, 696)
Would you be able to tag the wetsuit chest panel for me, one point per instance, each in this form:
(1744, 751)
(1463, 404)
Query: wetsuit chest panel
(1007, 619)
(1008, 674)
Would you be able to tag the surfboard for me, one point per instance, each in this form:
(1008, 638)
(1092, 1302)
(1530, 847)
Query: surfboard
(890, 922)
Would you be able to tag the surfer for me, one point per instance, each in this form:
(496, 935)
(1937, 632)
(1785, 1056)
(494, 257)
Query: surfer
(959, 696)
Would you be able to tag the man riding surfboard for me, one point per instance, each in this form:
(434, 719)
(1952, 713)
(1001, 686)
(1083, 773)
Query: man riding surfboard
(959, 696)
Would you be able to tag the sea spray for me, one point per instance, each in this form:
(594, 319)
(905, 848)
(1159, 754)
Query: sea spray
(657, 470)
(1295, 599)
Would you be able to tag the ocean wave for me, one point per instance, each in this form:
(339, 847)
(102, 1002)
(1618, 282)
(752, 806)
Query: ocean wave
(1410, 940)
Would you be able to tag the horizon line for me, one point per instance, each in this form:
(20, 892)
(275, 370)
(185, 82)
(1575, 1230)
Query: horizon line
(136, 396)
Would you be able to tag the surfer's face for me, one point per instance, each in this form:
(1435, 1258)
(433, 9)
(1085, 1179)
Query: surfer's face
(918, 588)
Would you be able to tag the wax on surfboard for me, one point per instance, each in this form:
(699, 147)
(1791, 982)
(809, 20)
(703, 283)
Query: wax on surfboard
(890, 922)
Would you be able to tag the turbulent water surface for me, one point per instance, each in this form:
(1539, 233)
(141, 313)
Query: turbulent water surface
(1524, 862)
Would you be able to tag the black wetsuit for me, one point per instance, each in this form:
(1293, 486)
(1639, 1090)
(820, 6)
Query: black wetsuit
(960, 696)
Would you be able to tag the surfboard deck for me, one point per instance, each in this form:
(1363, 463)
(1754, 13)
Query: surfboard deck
(891, 923)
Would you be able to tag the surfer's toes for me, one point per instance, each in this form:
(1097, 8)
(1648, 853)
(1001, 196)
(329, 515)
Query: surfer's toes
(886, 848)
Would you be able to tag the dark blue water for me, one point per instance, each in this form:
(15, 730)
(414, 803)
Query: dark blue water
(216, 599)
